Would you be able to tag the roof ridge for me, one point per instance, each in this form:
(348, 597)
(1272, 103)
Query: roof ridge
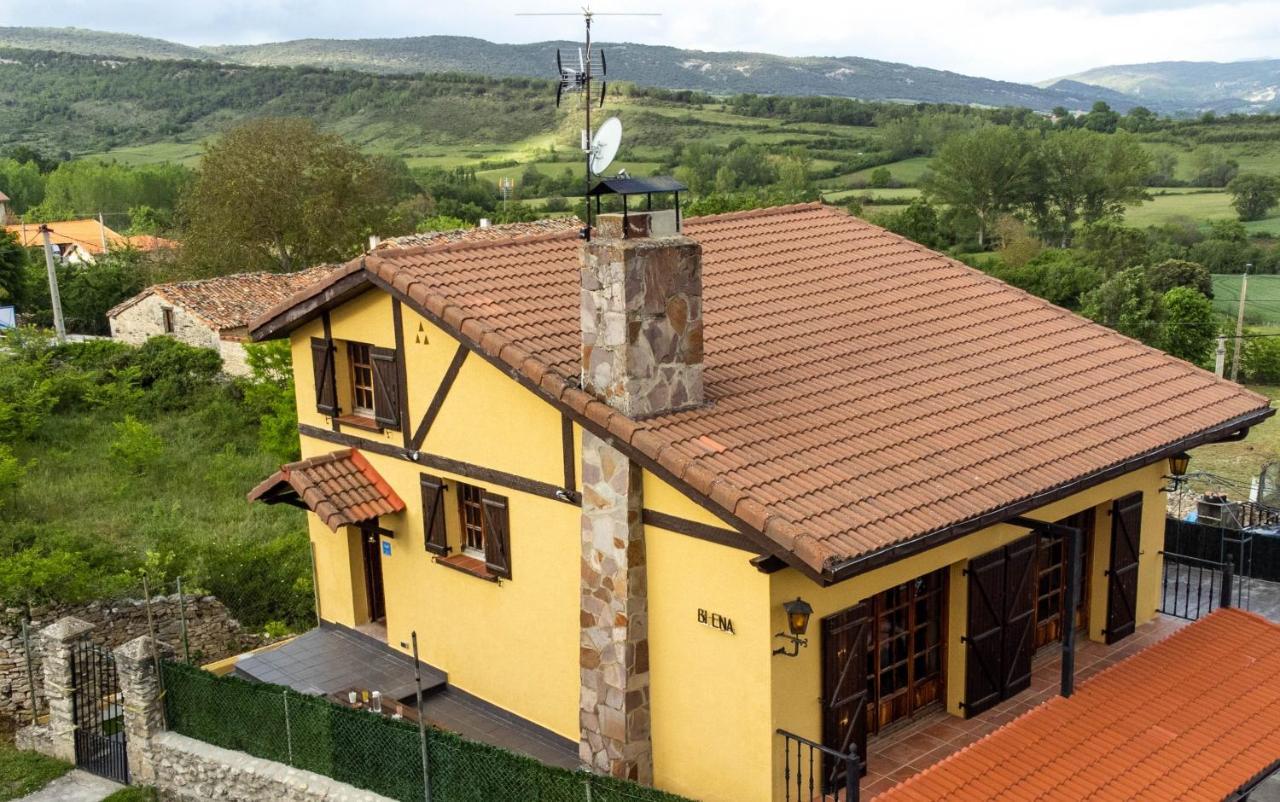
(763, 211)
(472, 244)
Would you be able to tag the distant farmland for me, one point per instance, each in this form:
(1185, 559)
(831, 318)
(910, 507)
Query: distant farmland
(1262, 299)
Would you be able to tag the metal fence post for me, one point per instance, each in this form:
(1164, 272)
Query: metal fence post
(1228, 578)
(288, 727)
(31, 672)
(852, 776)
(182, 624)
(422, 722)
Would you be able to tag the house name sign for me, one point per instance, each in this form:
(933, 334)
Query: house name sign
(716, 621)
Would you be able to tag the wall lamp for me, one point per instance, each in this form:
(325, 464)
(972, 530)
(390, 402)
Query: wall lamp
(1178, 464)
(798, 613)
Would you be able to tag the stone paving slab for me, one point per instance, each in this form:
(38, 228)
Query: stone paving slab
(74, 786)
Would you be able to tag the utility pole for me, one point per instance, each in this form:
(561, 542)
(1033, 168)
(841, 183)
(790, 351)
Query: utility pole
(102, 231)
(1220, 356)
(54, 299)
(1235, 358)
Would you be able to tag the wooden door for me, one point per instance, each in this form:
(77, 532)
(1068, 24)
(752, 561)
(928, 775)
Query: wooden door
(371, 546)
(905, 650)
(844, 693)
(1019, 614)
(1051, 591)
(1122, 576)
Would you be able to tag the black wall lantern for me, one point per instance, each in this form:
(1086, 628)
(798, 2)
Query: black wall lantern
(798, 613)
(1178, 464)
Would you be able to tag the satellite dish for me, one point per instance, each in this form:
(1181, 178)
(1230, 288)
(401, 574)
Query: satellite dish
(604, 146)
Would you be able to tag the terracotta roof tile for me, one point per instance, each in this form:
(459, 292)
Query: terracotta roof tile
(1192, 717)
(867, 391)
(341, 487)
(491, 233)
(231, 302)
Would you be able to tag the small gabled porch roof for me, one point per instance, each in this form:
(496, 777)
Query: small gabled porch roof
(341, 487)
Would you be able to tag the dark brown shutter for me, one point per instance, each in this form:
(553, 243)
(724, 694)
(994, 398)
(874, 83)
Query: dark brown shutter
(984, 641)
(434, 534)
(845, 636)
(322, 365)
(386, 386)
(1020, 579)
(497, 536)
(1122, 578)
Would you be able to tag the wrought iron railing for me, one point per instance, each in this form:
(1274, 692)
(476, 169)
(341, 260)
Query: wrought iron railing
(1193, 587)
(816, 773)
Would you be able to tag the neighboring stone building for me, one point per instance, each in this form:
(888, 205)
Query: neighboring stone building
(210, 313)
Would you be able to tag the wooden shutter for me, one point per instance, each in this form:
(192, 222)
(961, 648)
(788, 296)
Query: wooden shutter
(1122, 578)
(434, 535)
(1020, 580)
(497, 536)
(984, 641)
(322, 365)
(386, 386)
(845, 636)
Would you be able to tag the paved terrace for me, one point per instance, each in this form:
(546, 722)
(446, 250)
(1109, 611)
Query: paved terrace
(905, 750)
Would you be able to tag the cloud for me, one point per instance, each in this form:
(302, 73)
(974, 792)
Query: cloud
(1019, 40)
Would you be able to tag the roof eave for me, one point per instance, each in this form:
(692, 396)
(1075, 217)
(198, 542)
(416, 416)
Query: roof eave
(861, 564)
(310, 302)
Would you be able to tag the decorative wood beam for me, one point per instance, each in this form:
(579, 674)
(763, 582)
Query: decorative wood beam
(397, 318)
(768, 564)
(714, 534)
(570, 454)
(437, 401)
(467, 469)
(327, 324)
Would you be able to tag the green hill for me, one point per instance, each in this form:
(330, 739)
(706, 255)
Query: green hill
(81, 41)
(1245, 86)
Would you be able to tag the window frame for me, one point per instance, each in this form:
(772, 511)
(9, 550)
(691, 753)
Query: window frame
(166, 320)
(469, 508)
(354, 367)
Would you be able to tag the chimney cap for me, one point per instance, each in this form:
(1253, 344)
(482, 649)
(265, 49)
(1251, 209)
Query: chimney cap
(636, 186)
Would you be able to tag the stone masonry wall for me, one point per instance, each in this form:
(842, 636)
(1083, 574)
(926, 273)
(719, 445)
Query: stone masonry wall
(145, 319)
(641, 319)
(211, 632)
(614, 710)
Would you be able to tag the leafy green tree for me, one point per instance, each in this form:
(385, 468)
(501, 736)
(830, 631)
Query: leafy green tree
(269, 394)
(986, 173)
(13, 272)
(918, 222)
(1058, 276)
(1172, 273)
(1101, 119)
(23, 183)
(1126, 303)
(1085, 176)
(1111, 246)
(1213, 168)
(1254, 195)
(1261, 360)
(880, 177)
(1189, 328)
(277, 194)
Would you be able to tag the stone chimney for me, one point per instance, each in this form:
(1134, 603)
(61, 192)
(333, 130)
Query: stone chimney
(641, 354)
(642, 315)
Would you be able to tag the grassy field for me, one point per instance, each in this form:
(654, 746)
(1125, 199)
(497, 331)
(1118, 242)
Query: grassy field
(1240, 462)
(886, 196)
(1199, 205)
(1262, 300)
(24, 772)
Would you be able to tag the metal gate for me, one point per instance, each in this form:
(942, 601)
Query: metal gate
(98, 710)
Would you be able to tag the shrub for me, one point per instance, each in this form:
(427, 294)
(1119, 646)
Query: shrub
(135, 445)
(1180, 273)
(11, 473)
(172, 372)
(880, 177)
(1261, 360)
(1126, 303)
(269, 393)
(1189, 325)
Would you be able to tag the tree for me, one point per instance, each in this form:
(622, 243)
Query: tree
(1126, 303)
(1112, 247)
(1018, 245)
(1189, 328)
(1085, 176)
(985, 172)
(1212, 167)
(1172, 273)
(918, 222)
(277, 194)
(1101, 119)
(1254, 195)
(880, 177)
(13, 278)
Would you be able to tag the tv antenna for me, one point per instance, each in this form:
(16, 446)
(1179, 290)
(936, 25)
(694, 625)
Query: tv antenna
(577, 78)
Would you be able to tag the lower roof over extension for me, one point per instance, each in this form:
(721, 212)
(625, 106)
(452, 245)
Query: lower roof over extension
(866, 397)
(341, 487)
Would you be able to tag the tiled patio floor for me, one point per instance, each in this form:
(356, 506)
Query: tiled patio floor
(895, 755)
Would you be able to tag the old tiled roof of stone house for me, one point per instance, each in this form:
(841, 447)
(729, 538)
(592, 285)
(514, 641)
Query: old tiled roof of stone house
(1195, 716)
(504, 231)
(341, 487)
(230, 302)
(865, 396)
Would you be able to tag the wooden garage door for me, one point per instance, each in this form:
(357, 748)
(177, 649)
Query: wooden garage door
(844, 671)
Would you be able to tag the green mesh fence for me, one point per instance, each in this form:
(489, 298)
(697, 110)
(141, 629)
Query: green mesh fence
(371, 751)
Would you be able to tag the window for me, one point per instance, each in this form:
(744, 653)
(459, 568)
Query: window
(167, 314)
(361, 379)
(904, 658)
(470, 535)
(471, 499)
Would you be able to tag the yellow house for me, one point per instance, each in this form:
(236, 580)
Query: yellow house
(595, 478)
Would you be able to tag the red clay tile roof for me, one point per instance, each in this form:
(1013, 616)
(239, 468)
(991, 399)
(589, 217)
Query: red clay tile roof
(342, 488)
(1192, 717)
(504, 231)
(867, 391)
(230, 302)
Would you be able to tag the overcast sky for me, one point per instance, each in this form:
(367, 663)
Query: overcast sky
(1018, 40)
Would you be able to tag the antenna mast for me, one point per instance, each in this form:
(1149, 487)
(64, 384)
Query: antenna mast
(580, 81)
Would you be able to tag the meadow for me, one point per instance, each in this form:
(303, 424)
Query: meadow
(1262, 298)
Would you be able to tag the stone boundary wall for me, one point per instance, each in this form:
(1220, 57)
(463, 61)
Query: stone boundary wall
(188, 770)
(211, 632)
(182, 769)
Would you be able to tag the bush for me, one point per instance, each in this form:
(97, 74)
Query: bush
(1126, 303)
(1057, 276)
(269, 393)
(1189, 327)
(173, 372)
(1180, 273)
(1261, 360)
(136, 446)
